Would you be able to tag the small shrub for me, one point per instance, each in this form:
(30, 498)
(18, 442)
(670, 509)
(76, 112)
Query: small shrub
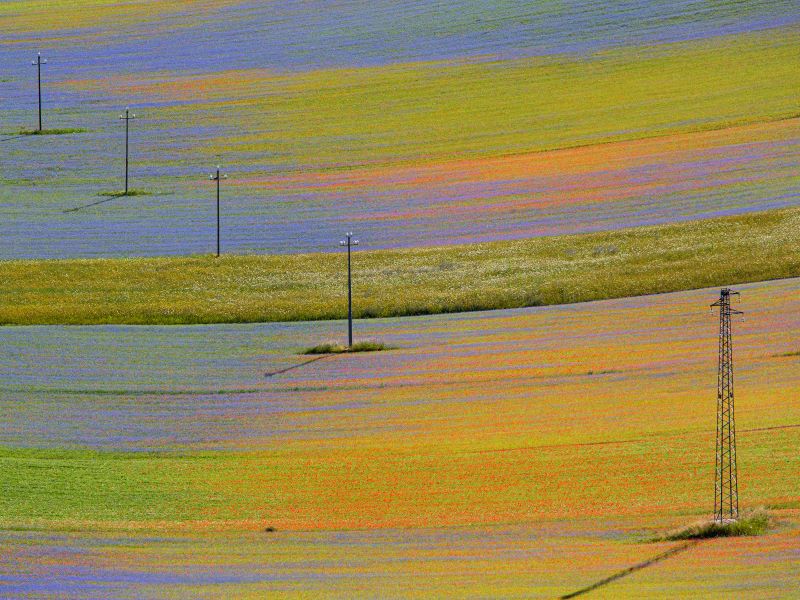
(130, 193)
(50, 131)
(369, 346)
(334, 348)
(754, 523)
(326, 348)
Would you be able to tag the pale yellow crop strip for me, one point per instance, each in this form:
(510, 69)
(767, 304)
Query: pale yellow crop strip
(387, 283)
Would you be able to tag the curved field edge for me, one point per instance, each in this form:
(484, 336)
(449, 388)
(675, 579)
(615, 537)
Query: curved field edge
(392, 283)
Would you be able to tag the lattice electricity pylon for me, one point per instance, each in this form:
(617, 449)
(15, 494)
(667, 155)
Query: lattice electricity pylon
(726, 486)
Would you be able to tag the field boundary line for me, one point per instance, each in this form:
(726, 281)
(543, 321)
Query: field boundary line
(773, 428)
(631, 441)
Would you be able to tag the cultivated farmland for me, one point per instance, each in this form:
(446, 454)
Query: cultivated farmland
(537, 449)
(587, 175)
(544, 123)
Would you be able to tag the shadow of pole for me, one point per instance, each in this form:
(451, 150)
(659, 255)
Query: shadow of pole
(637, 567)
(77, 208)
(297, 366)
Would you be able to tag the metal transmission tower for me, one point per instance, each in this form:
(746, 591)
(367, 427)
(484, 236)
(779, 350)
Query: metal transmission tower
(726, 487)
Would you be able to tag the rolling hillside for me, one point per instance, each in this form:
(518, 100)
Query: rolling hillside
(410, 123)
(518, 453)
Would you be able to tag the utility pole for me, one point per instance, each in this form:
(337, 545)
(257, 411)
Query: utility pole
(349, 242)
(726, 486)
(127, 117)
(216, 177)
(38, 64)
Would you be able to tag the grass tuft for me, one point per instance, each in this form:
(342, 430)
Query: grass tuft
(51, 131)
(755, 523)
(129, 193)
(335, 348)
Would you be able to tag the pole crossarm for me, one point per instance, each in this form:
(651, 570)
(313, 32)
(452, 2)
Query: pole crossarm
(724, 301)
(128, 116)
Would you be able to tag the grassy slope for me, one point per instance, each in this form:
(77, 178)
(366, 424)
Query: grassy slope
(403, 282)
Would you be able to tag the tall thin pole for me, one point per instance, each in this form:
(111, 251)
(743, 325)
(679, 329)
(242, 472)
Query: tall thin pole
(127, 118)
(349, 242)
(726, 486)
(217, 213)
(349, 297)
(218, 177)
(38, 64)
(39, 77)
(127, 128)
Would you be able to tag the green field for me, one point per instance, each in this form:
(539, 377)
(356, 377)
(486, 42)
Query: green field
(535, 272)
